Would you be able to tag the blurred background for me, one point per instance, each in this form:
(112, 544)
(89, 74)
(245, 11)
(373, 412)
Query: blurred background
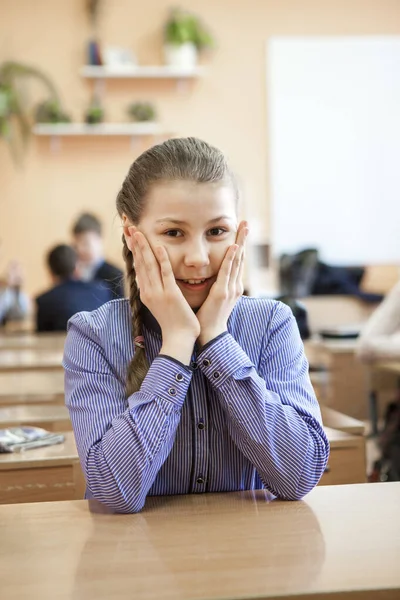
(303, 97)
(257, 71)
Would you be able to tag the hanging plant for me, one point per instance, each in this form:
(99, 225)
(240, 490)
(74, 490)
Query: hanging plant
(15, 110)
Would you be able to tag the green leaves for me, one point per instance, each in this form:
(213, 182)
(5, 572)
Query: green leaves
(183, 27)
(15, 113)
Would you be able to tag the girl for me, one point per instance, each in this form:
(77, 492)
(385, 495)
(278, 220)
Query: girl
(188, 387)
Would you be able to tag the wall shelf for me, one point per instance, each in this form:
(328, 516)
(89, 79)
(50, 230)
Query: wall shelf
(69, 129)
(141, 72)
(55, 131)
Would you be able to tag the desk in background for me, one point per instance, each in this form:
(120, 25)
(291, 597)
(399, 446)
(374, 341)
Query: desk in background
(347, 382)
(30, 360)
(42, 474)
(52, 473)
(214, 546)
(49, 416)
(38, 341)
(382, 376)
(347, 459)
(336, 420)
(24, 387)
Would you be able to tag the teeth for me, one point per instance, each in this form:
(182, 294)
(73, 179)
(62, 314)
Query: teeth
(193, 281)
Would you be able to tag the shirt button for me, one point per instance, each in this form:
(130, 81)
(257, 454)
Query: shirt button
(172, 391)
(200, 425)
(194, 365)
(179, 377)
(206, 362)
(216, 374)
(200, 480)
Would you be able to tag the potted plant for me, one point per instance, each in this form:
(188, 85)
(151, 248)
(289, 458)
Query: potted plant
(142, 111)
(15, 110)
(50, 111)
(94, 113)
(184, 37)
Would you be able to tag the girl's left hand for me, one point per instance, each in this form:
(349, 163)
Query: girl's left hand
(227, 289)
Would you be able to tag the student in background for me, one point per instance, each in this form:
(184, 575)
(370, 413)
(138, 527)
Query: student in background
(380, 338)
(189, 387)
(88, 243)
(69, 295)
(14, 303)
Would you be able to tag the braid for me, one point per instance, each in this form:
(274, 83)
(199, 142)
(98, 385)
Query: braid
(138, 366)
(177, 159)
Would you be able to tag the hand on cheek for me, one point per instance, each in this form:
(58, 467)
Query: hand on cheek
(215, 311)
(161, 295)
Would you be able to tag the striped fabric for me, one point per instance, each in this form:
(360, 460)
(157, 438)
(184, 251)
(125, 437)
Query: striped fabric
(242, 416)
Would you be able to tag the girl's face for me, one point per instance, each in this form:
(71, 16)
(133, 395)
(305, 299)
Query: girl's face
(196, 223)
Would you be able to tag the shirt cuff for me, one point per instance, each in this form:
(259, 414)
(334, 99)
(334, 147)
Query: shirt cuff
(221, 359)
(166, 379)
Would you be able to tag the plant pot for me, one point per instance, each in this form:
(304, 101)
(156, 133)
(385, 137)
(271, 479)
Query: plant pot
(184, 56)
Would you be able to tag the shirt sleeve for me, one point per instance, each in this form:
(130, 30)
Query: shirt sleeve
(122, 441)
(380, 338)
(272, 412)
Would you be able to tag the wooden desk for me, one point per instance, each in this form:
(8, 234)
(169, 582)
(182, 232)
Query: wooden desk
(29, 360)
(31, 386)
(347, 459)
(42, 474)
(347, 383)
(381, 376)
(38, 341)
(214, 546)
(336, 420)
(49, 416)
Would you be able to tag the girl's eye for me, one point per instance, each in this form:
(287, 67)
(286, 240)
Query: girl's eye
(173, 233)
(215, 231)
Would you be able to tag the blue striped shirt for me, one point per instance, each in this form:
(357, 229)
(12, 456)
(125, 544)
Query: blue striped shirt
(242, 416)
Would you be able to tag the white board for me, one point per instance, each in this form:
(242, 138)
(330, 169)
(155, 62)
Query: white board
(334, 124)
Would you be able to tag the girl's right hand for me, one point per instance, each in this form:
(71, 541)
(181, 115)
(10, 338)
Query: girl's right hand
(162, 296)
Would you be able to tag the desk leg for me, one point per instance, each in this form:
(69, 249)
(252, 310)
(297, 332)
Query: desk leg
(373, 412)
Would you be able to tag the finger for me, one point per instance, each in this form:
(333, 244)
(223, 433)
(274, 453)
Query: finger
(237, 261)
(226, 267)
(239, 280)
(149, 261)
(129, 239)
(242, 225)
(241, 240)
(167, 275)
(141, 273)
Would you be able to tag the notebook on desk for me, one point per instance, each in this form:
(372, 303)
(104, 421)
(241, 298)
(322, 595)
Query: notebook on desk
(19, 439)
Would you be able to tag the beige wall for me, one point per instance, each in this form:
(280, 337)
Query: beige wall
(227, 107)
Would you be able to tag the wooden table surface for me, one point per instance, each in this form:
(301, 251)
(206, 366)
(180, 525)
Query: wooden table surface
(31, 386)
(387, 366)
(52, 417)
(42, 474)
(336, 420)
(346, 387)
(59, 454)
(342, 540)
(30, 359)
(41, 341)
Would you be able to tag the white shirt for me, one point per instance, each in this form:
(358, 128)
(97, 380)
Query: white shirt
(380, 338)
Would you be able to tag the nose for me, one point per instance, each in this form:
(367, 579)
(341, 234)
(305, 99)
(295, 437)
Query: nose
(196, 254)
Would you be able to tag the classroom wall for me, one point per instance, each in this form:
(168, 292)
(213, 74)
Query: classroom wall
(227, 107)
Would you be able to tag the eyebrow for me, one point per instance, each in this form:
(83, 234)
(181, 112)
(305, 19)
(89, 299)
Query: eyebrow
(178, 222)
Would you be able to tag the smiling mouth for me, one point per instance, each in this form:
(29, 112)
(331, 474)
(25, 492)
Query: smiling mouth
(195, 284)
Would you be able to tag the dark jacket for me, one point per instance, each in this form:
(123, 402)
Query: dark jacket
(59, 304)
(112, 277)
